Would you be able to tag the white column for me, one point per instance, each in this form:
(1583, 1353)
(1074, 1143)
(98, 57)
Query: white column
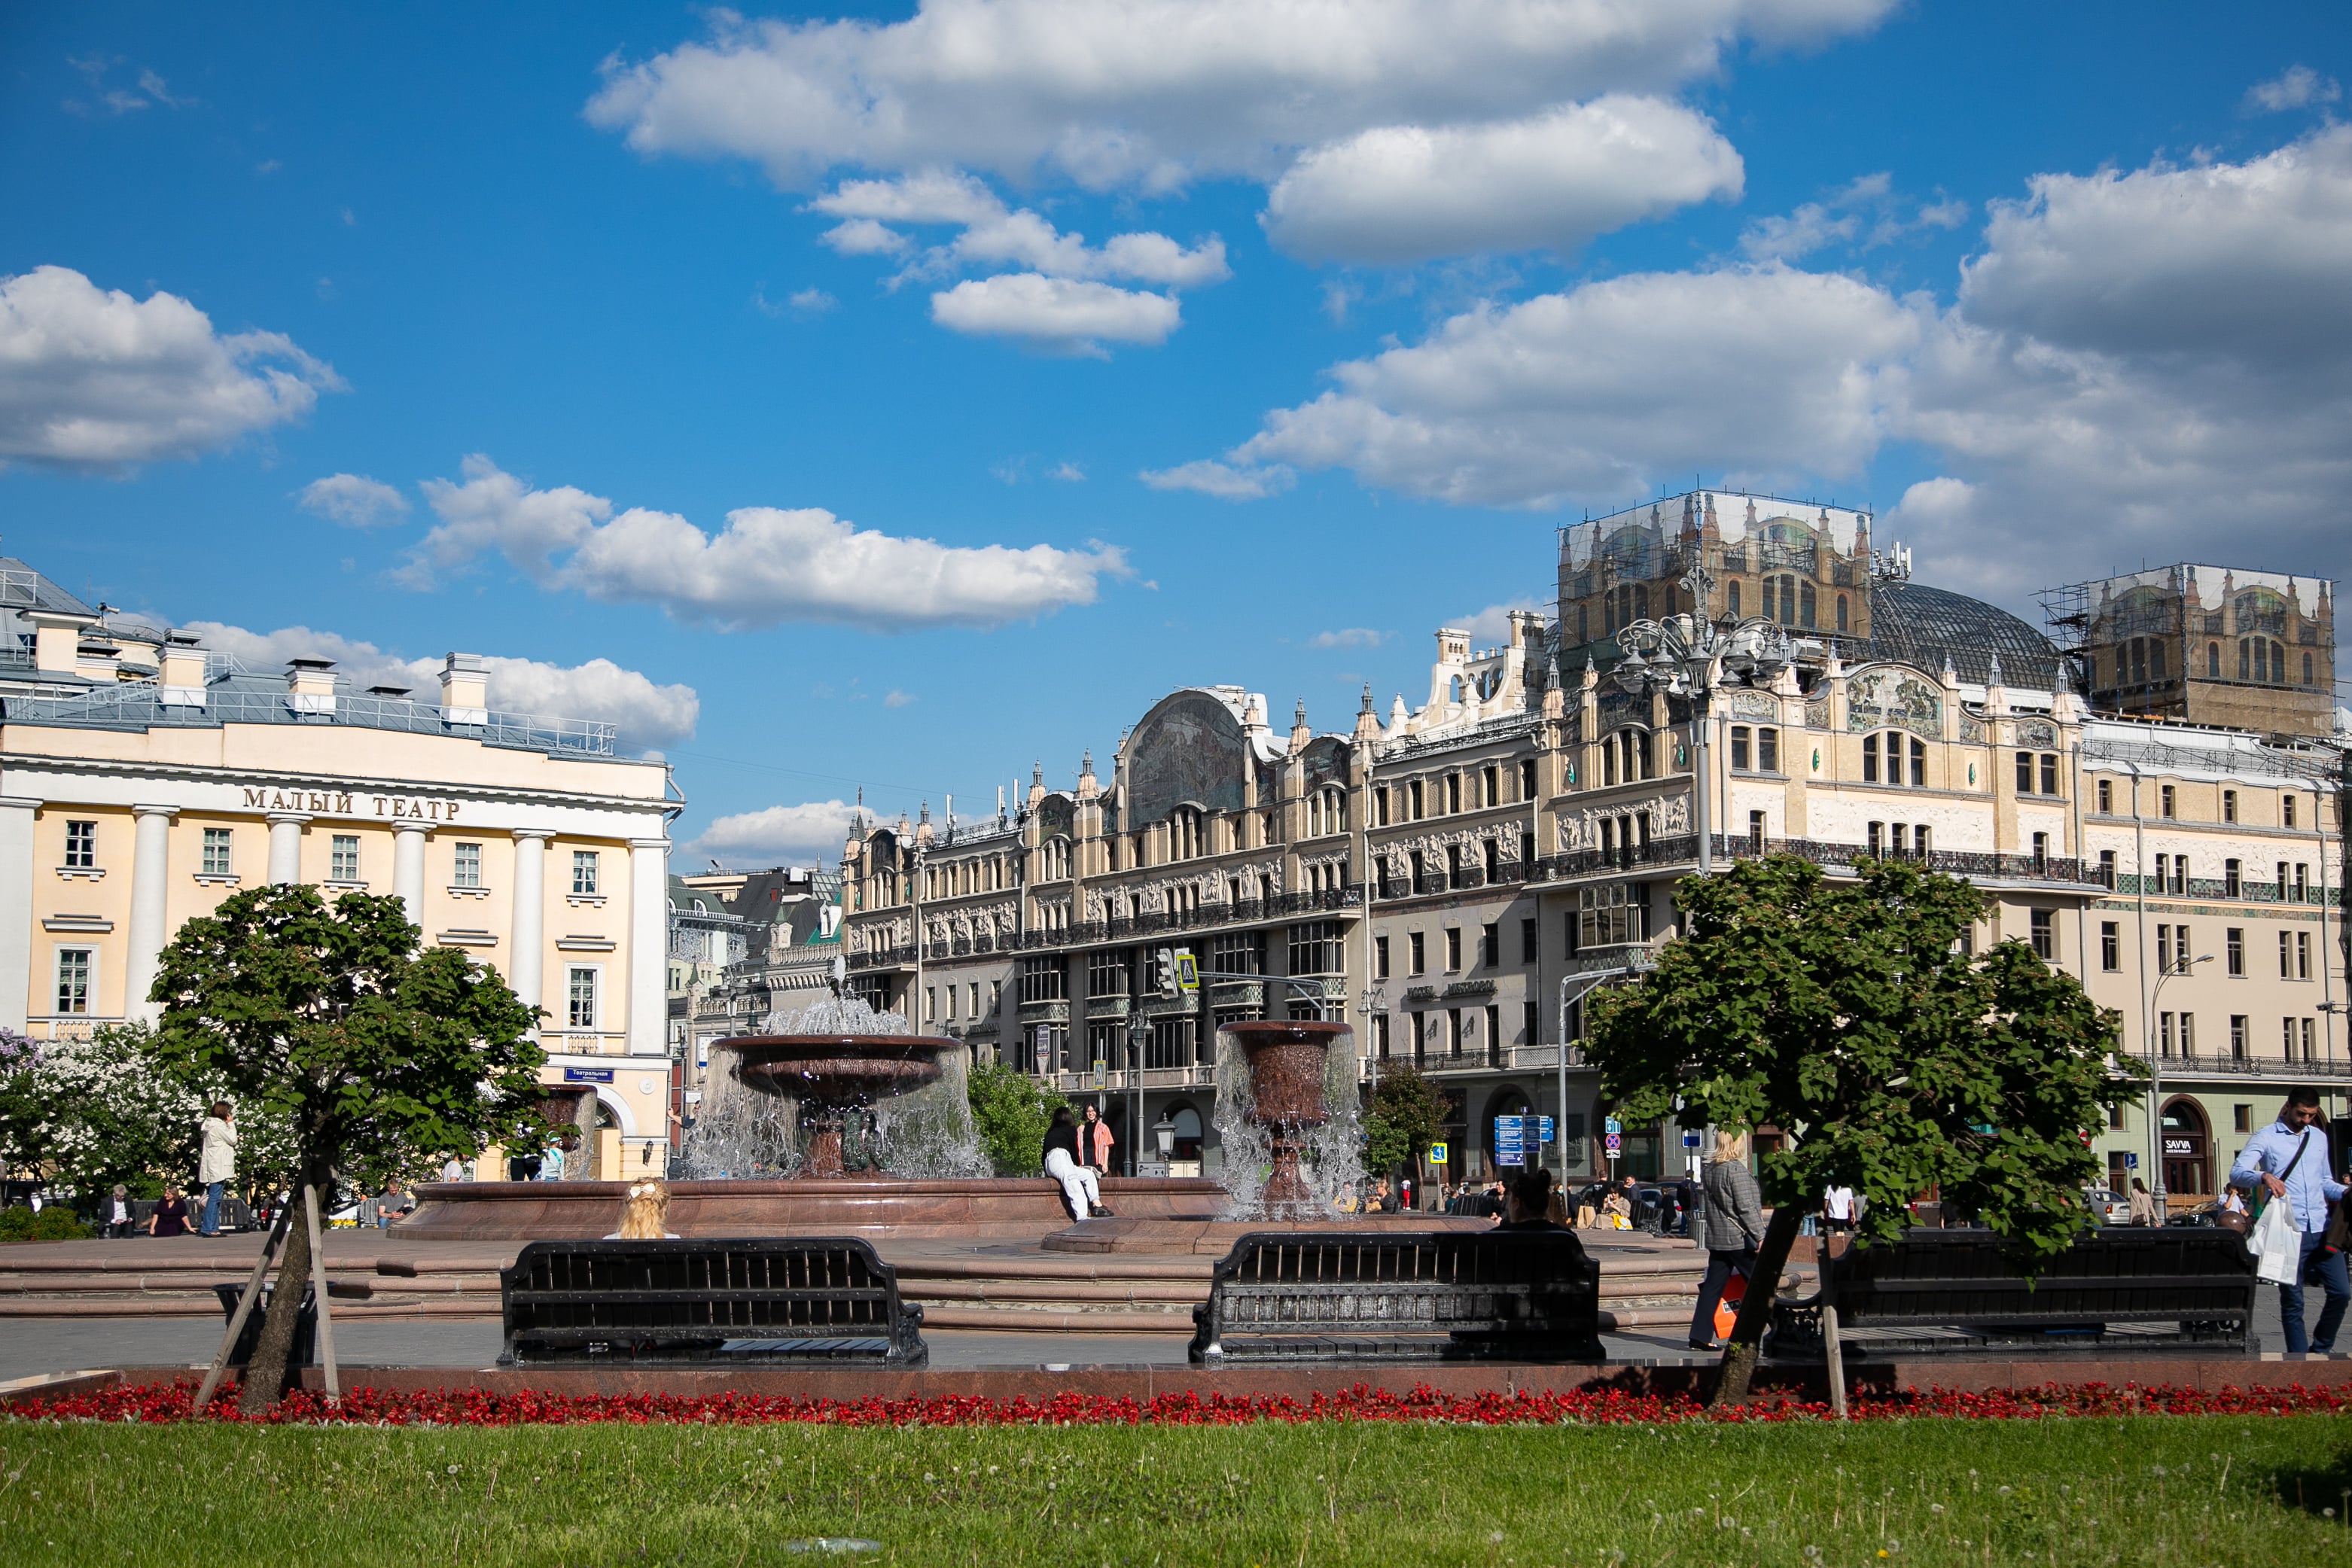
(16, 909)
(149, 880)
(648, 946)
(529, 924)
(409, 868)
(286, 846)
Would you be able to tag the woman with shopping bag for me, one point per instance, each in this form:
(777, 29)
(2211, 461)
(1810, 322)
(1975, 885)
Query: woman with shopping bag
(2285, 1167)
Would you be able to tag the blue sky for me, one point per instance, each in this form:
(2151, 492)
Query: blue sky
(382, 332)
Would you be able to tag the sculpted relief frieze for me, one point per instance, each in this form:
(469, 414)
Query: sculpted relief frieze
(1893, 698)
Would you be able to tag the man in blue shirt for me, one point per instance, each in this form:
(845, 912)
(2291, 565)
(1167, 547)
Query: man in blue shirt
(2288, 1160)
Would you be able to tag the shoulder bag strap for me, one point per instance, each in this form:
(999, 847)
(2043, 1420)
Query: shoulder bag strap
(2299, 1148)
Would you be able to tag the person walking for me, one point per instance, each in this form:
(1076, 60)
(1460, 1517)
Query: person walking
(1735, 1228)
(1080, 1194)
(1837, 1210)
(1095, 1141)
(2287, 1162)
(216, 1166)
(2143, 1203)
(171, 1215)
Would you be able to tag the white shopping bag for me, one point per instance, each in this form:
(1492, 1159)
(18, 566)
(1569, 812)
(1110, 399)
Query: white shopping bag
(2276, 1243)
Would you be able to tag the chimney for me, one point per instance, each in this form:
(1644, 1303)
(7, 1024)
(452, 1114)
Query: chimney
(181, 672)
(311, 686)
(57, 641)
(465, 689)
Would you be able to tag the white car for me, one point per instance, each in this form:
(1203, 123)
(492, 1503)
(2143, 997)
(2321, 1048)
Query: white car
(2111, 1207)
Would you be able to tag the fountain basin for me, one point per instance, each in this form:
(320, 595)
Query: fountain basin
(831, 1074)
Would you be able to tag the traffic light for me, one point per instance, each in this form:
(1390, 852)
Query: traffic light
(1164, 971)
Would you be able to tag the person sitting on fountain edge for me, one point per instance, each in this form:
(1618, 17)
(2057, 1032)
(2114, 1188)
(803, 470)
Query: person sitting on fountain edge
(1080, 1196)
(1527, 1201)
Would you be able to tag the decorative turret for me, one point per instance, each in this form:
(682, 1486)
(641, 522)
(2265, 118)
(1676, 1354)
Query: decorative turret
(1300, 734)
(1368, 723)
(1087, 786)
(1036, 784)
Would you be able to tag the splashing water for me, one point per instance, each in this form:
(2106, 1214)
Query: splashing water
(1331, 1156)
(923, 1135)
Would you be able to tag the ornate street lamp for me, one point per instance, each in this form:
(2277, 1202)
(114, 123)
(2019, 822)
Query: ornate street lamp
(1688, 656)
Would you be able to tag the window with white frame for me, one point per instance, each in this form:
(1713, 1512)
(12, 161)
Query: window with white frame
(215, 861)
(343, 858)
(77, 969)
(81, 846)
(580, 997)
(466, 869)
(583, 872)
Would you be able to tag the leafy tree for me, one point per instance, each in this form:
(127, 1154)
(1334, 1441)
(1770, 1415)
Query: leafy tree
(370, 1048)
(1010, 1111)
(24, 1112)
(1850, 1016)
(1407, 1114)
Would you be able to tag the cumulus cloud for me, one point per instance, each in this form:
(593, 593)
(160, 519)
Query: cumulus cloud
(1491, 627)
(1866, 213)
(353, 500)
(2297, 87)
(646, 713)
(1409, 193)
(1348, 637)
(92, 378)
(767, 565)
(1608, 387)
(1056, 315)
(812, 830)
(1225, 481)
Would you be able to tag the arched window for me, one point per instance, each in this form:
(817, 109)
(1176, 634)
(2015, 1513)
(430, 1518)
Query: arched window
(1841, 612)
(1806, 614)
(1453, 690)
(1326, 812)
(2212, 660)
(1185, 839)
(1634, 744)
(1731, 598)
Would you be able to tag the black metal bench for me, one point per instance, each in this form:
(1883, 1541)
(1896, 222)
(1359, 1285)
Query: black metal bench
(757, 1301)
(1440, 1295)
(2116, 1289)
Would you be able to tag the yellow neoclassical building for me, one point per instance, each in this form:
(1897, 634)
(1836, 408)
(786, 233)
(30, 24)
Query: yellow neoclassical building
(138, 791)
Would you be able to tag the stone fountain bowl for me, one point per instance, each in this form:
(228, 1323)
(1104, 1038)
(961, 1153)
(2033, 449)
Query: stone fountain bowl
(1285, 1062)
(833, 1067)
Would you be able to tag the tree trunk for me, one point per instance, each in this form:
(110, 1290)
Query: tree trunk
(264, 1378)
(1747, 1340)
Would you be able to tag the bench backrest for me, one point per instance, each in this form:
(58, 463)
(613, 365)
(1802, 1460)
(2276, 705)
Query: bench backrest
(762, 1287)
(1538, 1283)
(2112, 1274)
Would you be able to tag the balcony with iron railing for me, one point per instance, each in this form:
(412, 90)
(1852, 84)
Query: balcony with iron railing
(2247, 1064)
(1206, 916)
(2221, 890)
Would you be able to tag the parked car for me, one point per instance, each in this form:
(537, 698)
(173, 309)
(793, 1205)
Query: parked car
(2203, 1214)
(2111, 1207)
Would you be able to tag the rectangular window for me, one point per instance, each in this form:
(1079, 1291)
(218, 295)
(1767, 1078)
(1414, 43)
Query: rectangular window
(75, 966)
(2286, 811)
(1414, 791)
(2188, 1034)
(1380, 1035)
(1042, 980)
(971, 993)
(2163, 1034)
(2303, 884)
(1768, 752)
(2025, 773)
(343, 858)
(1756, 825)
(1740, 747)
(2233, 941)
(2163, 949)
(215, 861)
(1316, 948)
(2115, 1117)
(1530, 941)
(2307, 1040)
(579, 998)
(1453, 1031)
(81, 846)
(1527, 779)
(1490, 783)
(1379, 958)
(2237, 1036)
(2287, 1041)
(2049, 773)
(1876, 840)
(2107, 868)
(1530, 1024)
(931, 1004)
(466, 869)
(2286, 956)
(2228, 805)
(2231, 878)
(2302, 954)
(1869, 760)
(1453, 793)
(2040, 851)
(2168, 802)
(1380, 806)
(2045, 935)
(1453, 948)
(1490, 947)
(2242, 1118)
(584, 871)
(2111, 947)
(2107, 797)
(1417, 951)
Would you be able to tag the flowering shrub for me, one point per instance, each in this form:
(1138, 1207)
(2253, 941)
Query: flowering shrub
(158, 1402)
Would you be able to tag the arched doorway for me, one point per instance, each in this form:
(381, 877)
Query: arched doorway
(2188, 1148)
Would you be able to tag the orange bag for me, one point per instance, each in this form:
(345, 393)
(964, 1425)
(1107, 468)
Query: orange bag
(1727, 1309)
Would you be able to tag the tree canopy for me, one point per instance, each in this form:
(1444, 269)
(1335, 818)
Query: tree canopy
(1010, 1111)
(1407, 1113)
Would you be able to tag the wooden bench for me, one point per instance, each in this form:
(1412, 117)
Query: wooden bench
(1492, 1295)
(2116, 1289)
(758, 1301)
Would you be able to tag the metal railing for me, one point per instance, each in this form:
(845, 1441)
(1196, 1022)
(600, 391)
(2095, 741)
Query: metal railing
(2250, 1065)
(139, 703)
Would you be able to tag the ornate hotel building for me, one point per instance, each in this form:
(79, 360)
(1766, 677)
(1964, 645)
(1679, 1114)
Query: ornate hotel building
(1454, 871)
(145, 778)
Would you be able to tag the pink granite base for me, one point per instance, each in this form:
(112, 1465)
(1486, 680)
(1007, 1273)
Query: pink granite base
(1003, 1208)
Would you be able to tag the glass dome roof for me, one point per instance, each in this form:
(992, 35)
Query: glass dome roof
(1924, 626)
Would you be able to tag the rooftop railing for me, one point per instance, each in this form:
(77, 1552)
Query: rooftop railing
(141, 705)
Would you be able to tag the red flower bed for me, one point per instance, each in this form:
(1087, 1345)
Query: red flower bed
(484, 1408)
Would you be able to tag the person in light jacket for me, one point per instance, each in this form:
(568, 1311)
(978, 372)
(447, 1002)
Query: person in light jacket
(1735, 1228)
(216, 1166)
(2287, 1162)
(2143, 1203)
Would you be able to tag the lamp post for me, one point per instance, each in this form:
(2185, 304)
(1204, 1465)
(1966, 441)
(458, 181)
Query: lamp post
(1163, 1132)
(2156, 1075)
(1138, 1030)
(1687, 655)
(1373, 1002)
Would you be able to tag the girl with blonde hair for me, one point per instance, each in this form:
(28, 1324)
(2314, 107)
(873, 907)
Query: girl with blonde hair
(643, 1213)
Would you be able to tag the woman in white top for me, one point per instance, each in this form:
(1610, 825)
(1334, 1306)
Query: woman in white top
(216, 1166)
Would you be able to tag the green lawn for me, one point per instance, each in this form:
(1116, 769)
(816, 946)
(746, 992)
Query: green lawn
(2221, 1490)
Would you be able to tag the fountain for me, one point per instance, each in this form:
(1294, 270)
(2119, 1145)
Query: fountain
(1270, 1111)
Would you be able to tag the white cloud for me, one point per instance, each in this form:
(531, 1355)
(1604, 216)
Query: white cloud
(1225, 481)
(1067, 473)
(815, 830)
(812, 301)
(2297, 87)
(1409, 193)
(353, 500)
(91, 378)
(1056, 315)
(1152, 93)
(1603, 389)
(1491, 627)
(1866, 213)
(768, 565)
(1348, 637)
(646, 713)
(894, 697)
(864, 236)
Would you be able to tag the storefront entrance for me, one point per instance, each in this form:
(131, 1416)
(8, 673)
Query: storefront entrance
(2188, 1149)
